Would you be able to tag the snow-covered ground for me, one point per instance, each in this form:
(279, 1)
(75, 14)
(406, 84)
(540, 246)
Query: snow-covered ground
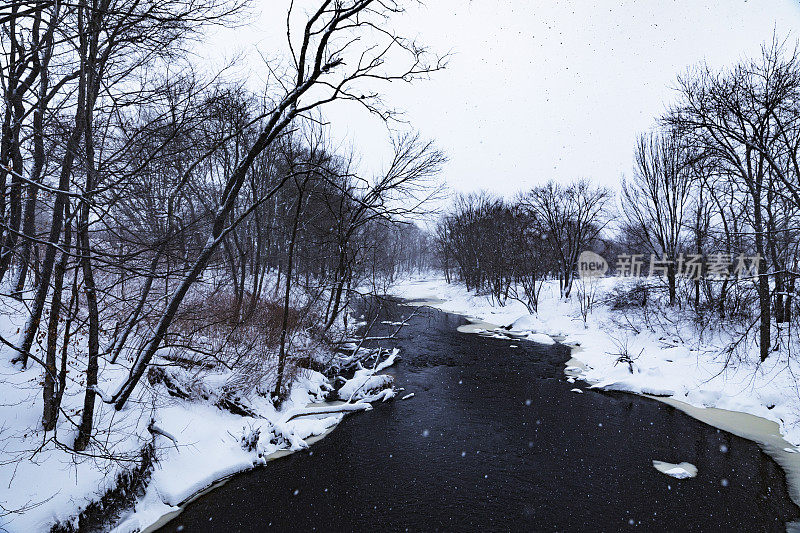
(671, 355)
(196, 442)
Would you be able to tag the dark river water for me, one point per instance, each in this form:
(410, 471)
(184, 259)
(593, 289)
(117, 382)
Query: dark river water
(494, 440)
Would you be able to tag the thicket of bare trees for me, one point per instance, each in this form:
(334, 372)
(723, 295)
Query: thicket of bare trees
(510, 248)
(147, 207)
(744, 124)
(712, 205)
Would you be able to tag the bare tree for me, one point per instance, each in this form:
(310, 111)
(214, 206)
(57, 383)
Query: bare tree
(731, 117)
(570, 217)
(655, 200)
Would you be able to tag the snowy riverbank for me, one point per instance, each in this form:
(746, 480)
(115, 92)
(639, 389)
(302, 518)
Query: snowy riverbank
(182, 432)
(667, 355)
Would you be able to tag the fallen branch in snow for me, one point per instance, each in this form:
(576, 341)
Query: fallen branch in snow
(342, 408)
(383, 338)
(155, 430)
(351, 361)
(383, 395)
(389, 361)
(353, 341)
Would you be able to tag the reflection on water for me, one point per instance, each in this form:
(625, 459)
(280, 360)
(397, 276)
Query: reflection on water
(494, 440)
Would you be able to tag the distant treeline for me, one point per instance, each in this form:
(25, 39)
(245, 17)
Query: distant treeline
(716, 182)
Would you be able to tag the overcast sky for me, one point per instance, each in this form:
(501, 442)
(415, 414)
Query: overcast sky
(537, 90)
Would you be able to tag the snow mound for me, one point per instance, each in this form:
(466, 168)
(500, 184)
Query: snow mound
(525, 323)
(362, 386)
(541, 338)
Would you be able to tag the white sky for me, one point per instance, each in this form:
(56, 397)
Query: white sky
(541, 89)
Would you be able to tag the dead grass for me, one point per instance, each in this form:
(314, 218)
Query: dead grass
(217, 315)
(212, 330)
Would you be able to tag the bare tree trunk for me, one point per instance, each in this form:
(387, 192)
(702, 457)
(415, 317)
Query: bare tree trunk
(335, 302)
(277, 394)
(780, 300)
(10, 152)
(72, 311)
(787, 309)
(763, 286)
(671, 282)
(50, 414)
(42, 64)
(84, 244)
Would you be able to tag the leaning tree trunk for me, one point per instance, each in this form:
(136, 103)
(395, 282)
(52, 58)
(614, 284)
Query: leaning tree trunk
(119, 343)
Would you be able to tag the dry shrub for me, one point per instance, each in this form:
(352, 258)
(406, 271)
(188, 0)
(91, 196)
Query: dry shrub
(218, 316)
(243, 339)
(626, 297)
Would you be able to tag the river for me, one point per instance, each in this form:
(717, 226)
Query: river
(495, 439)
